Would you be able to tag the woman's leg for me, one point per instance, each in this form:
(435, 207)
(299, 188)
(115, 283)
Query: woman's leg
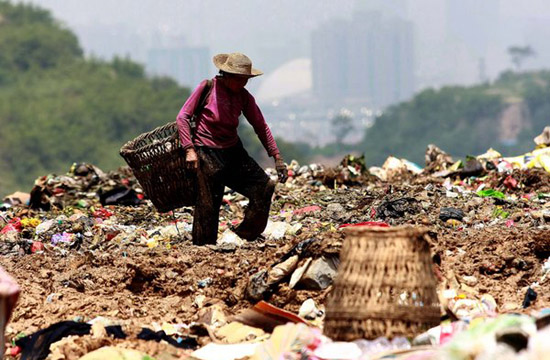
(246, 177)
(209, 198)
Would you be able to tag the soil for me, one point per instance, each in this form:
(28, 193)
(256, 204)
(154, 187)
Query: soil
(138, 286)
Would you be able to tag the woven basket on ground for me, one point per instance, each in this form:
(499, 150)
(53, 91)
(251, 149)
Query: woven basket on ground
(158, 163)
(385, 285)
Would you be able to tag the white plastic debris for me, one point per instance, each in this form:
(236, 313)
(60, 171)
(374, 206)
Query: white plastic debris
(298, 273)
(229, 237)
(338, 350)
(451, 194)
(43, 227)
(309, 310)
(164, 231)
(276, 230)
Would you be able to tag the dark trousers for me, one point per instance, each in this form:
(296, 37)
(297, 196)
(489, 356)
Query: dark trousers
(235, 169)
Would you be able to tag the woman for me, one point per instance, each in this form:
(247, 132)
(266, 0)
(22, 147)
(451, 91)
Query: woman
(215, 150)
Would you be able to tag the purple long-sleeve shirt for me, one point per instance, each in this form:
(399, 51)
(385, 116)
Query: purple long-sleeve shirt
(217, 123)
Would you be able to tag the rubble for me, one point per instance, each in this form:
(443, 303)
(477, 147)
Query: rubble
(319, 274)
(543, 139)
(79, 253)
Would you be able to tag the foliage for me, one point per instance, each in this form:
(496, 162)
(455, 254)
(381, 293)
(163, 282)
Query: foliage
(454, 118)
(31, 40)
(342, 125)
(57, 107)
(460, 120)
(518, 54)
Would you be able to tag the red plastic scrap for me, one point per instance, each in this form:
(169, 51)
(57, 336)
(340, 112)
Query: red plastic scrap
(14, 351)
(8, 228)
(13, 225)
(16, 222)
(266, 316)
(509, 223)
(510, 182)
(366, 223)
(307, 209)
(102, 213)
(37, 246)
(372, 212)
(175, 221)
(110, 235)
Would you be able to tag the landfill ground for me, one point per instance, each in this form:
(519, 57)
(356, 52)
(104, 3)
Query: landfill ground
(118, 271)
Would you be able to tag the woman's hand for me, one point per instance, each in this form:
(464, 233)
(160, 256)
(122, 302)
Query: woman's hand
(191, 159)
(280, 166)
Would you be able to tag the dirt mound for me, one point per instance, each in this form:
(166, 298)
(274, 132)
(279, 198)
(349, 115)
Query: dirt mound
(80, 260)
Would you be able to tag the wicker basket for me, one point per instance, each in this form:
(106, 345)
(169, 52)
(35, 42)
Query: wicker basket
(385, 285)
(158, 163)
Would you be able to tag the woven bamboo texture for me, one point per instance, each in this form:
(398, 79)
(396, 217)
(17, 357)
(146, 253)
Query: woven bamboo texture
(385, 285)
(158, 162)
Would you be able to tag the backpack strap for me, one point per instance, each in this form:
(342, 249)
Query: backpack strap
(200, 106)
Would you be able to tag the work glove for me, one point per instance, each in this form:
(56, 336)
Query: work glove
(282, 171)
(191, 159)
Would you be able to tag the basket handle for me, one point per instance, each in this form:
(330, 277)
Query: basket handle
(202, 101)
(128, 148)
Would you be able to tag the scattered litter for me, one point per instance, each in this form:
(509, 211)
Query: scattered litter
(76, 255)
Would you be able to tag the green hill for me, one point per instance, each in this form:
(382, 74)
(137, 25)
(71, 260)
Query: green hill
(505, 115)
(57, 107)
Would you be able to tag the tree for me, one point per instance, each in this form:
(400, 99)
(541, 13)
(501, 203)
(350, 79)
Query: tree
(342, 125)
(31, 40)
(56, 107)
(519, 54)
(459, 120)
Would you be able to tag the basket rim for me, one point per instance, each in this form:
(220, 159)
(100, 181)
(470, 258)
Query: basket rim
(129, 147)
(430, 313)
(365, 229)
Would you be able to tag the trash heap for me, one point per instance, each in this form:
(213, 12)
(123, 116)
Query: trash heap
(89, 250)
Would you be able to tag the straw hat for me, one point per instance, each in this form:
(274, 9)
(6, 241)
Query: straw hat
(236, 63)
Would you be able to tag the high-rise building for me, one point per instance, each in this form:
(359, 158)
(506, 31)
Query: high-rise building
(368, 58)
(389, 8)
(329, 53)
(473, 22)
(188, 65)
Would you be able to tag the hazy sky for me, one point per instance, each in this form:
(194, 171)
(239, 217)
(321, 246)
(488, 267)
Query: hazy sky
(451, 36)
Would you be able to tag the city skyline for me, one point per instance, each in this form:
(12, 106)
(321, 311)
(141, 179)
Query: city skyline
(456, 42)
(369, 58)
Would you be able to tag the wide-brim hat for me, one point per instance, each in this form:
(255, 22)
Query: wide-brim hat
(236, 63)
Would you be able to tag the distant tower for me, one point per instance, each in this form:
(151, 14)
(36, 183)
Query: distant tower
(482, 71)
(329, 54)
(369, 58)
(388, 8)
(169, 55)
(473, 22)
